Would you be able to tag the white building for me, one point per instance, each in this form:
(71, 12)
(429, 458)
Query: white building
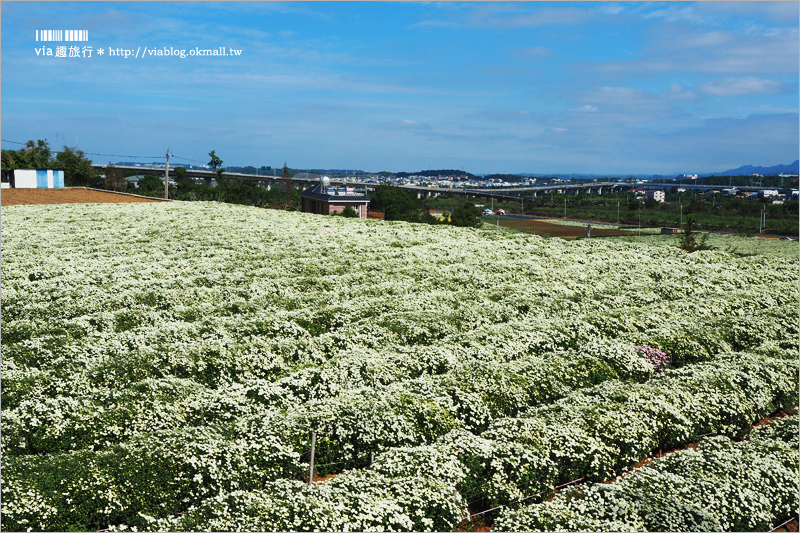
(37, 179)
(658, 196)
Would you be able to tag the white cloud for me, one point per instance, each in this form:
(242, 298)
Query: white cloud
(512, 15)
(585, 109)
(611, 8)
(433, 23)
(537, 51)
(742, 86)
(781, 13)
(677, 91)
(674, 49)
(671, 13)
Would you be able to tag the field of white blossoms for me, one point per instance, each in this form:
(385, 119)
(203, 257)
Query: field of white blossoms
(163, 366)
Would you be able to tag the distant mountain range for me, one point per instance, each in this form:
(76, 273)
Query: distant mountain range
(749, 170)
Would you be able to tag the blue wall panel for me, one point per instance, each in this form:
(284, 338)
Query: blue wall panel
(41, 179)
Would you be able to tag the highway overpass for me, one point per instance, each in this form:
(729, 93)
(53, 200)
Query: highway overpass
(504, 193)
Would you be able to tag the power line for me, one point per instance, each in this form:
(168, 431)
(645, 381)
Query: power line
(187, 159)
(93, 153)
(126, 156)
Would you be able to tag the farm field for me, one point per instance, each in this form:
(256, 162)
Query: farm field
(548, 228)
(164, 365)
(570, 229)
(69, 195)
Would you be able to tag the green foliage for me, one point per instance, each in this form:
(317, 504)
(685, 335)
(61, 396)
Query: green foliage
(689, 240)
(466, 215)
(291, 197)
(34, 156)
(180, 176)
(430, 419)
(151, 185)
(349, 212)
(78, 170)
(215, 161)
(395, 203)
(712, 212)
(115, 179)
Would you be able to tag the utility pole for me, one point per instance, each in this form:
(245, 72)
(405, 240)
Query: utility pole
(166, 178)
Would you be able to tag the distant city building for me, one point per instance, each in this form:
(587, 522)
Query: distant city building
(658, 196)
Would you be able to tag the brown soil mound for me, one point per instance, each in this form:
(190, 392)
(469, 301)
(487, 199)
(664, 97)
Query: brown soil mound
(69, 195)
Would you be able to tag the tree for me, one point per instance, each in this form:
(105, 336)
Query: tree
(689, 237)
(180, 175)
(349, 212)
(394, 203)
(151, 185)
(115, 179)
(289, 192)
(78, 169)
(215, 162)
(427, 218)
(38, 155)
(466, 216)
(35, 155)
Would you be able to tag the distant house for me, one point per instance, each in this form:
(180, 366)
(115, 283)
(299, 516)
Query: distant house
(36, 179)
(326, 200)
(134, 180)
(658, 196)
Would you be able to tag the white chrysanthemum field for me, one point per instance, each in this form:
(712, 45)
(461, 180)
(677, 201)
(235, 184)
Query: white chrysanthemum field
(163, 366)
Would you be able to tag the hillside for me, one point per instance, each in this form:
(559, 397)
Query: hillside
(165, 365)
(749, 170)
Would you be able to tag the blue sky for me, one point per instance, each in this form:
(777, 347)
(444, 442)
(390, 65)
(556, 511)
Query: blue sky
(540, 87)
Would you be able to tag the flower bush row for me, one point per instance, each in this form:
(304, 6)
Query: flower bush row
(198, 344)
(719, 485)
